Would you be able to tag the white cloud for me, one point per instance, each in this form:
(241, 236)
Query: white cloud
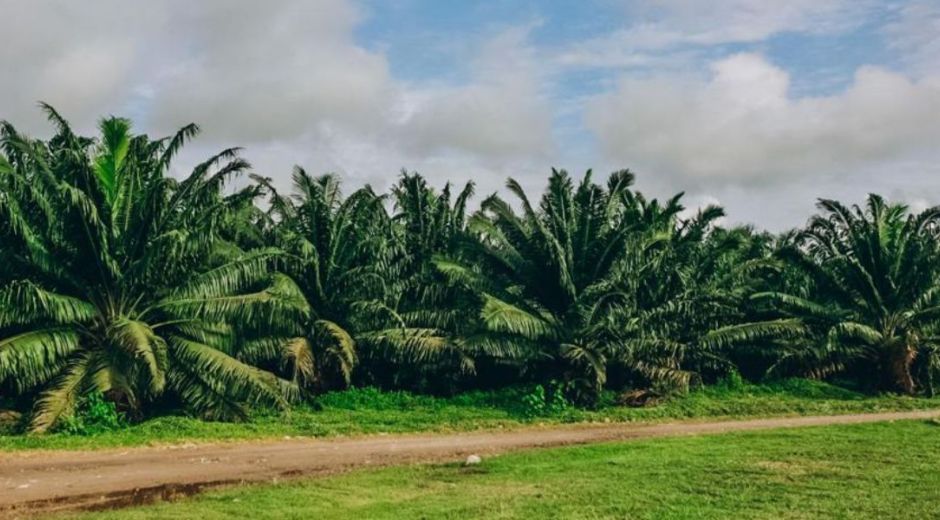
(741, 126)
(290, 81)
(666, 25)
(916, 36)
(256, 71)
(286, 79)
(500, 113)
(78, 57)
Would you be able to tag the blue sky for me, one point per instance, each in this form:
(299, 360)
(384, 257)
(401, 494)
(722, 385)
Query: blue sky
(760, 106)
(426, 39)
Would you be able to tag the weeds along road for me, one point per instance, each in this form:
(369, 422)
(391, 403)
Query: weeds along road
(49, 481)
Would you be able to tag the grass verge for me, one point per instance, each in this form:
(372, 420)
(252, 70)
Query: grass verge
(369, 411)
(881, 470)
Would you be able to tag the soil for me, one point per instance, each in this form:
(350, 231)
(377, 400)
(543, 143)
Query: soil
(38, 482)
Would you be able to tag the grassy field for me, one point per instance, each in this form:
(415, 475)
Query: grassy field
(882, 470)
(368, 411)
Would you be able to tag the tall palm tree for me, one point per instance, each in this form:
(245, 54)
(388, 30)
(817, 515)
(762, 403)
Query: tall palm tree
(868, 293)
(116, 279)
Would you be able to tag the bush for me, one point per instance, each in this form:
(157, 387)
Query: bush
(732, 381)
(542, 401)
(94, 415)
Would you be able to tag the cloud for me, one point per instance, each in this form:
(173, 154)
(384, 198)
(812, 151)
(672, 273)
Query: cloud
(286, 79)
(260, 71)
(658, 29)
(294, 82)
(741, 126)
(500, 113)
(915, 35)
(78, 57)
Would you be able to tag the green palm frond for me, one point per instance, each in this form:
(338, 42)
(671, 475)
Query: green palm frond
(753, 332)
(226, 375)
(60, 399)
(32, 358)
(415, 345)
(142, 344)
(503, 317)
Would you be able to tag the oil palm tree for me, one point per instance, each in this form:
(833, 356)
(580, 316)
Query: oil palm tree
(116, 279)
(431, 225)
(348, 264)
(867, 290)
(545, 279)
(684, 289)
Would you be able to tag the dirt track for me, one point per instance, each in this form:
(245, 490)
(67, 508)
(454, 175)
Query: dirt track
(37, 482)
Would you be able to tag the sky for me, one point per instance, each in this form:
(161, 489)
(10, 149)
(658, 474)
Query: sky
(757, 105)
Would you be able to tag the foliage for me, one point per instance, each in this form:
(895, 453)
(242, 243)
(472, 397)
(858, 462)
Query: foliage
(542, 401)
(93, 415)
(545, 279)
(183, 293)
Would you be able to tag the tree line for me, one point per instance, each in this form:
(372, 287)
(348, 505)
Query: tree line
(164, 292)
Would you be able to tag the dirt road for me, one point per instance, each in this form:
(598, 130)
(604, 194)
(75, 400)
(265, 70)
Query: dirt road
(36, 482)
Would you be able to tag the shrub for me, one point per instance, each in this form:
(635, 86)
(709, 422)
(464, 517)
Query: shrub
(545, 401)
(94, 415)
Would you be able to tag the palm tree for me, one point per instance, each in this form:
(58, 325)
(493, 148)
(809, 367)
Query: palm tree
(684, 289)
(116, 279)
(347, 262)
(431, 226)
(867, 290)
(546, 279)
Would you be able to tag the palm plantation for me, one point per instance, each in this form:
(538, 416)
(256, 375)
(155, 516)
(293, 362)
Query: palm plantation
(219, 292)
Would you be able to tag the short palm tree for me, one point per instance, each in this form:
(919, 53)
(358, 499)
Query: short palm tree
(868, 290)
(433, 225)
(348, 265)
(546, 279)
(685, 288)
(116, 279)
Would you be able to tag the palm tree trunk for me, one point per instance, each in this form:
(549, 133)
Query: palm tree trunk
(901, 359)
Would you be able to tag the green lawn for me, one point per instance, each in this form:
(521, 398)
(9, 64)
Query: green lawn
(368, 411)
(882, 470)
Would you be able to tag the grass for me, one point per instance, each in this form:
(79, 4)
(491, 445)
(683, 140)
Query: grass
(881, 470)
(369, 411)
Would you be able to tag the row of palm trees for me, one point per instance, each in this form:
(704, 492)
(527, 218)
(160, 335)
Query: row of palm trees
(159, 291)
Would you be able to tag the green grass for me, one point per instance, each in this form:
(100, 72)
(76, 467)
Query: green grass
(882, 470)
(368, 411)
